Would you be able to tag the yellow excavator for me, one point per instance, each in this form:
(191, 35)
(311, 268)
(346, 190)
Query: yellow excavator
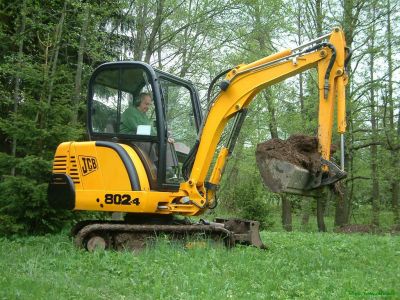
(164, 166)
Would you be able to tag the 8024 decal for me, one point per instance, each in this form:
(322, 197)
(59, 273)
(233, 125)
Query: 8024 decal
(119, 199)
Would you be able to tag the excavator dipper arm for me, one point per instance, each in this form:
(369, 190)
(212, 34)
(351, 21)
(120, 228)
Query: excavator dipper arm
(243, 82)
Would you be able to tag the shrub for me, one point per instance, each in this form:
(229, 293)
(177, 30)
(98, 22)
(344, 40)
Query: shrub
(24, 208)
(248, 199)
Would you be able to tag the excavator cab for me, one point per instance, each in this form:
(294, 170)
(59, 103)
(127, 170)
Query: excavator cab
(163, 135)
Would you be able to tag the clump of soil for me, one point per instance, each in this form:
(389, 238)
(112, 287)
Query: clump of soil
(368, 228)
(357, 228)
(395, 230)
(300, 150)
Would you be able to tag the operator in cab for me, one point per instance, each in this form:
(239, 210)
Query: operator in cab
(134, 119)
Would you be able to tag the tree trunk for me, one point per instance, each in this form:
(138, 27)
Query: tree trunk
(351, 12)
(79, 66)
(374, 147)
(321, 200)
(286, 205)
(49, 70)
(57, 41)
(159, 48)
(305, 203)
(395, 190)
(286, 214)
(391, 133)
(17, 95)
(154, 30)
(340, 206)
(185, 46)
(319, 16)
(232, 176)
(262, 40)
(140, 22)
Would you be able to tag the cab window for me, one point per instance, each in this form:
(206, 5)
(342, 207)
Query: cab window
(122, 103)
(181, 126)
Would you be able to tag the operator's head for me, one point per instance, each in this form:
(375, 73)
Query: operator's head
(145, 102)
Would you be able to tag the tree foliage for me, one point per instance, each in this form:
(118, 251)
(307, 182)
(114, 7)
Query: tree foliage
(49, 50)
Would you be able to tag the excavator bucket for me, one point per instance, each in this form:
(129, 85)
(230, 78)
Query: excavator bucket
(295, 166)
(283, 177)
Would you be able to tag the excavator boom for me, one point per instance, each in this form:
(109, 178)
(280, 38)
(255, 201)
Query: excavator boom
(241, 85)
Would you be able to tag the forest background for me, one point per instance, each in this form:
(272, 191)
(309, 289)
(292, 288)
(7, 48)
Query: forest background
(49, 49)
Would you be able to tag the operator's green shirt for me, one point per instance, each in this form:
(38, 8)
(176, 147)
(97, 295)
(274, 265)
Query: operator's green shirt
(131, 118)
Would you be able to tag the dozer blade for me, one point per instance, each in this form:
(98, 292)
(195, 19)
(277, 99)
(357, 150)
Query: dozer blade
(244, 232)
(283, 177)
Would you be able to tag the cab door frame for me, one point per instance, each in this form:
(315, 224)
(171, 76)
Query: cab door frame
(161, 139)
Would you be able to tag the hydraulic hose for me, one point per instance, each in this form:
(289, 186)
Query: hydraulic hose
(213, 83)
(330, 66)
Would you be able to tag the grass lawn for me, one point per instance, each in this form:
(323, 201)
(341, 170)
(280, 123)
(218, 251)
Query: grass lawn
(302, 265)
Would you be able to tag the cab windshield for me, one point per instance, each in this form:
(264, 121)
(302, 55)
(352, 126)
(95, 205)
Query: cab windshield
(122, 103)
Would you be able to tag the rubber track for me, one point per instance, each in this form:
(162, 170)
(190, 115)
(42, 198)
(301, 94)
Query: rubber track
(111, 229)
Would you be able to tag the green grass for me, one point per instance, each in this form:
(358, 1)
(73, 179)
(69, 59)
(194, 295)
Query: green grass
(297, 265)
(361, 215)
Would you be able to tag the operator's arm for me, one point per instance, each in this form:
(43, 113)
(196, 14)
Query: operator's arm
(129, 121)
(132, 118)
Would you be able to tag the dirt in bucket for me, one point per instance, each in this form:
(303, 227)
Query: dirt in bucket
(300, 150)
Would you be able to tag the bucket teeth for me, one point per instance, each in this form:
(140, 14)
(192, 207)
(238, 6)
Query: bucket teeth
(295, 165)
(284, 177)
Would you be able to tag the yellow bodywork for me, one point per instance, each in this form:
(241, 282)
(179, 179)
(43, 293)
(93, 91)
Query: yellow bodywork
(102, 181)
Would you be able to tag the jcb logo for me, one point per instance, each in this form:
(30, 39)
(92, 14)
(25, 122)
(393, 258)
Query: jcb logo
(88, 164)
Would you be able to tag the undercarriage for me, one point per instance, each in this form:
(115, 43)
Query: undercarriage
(129, 235)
